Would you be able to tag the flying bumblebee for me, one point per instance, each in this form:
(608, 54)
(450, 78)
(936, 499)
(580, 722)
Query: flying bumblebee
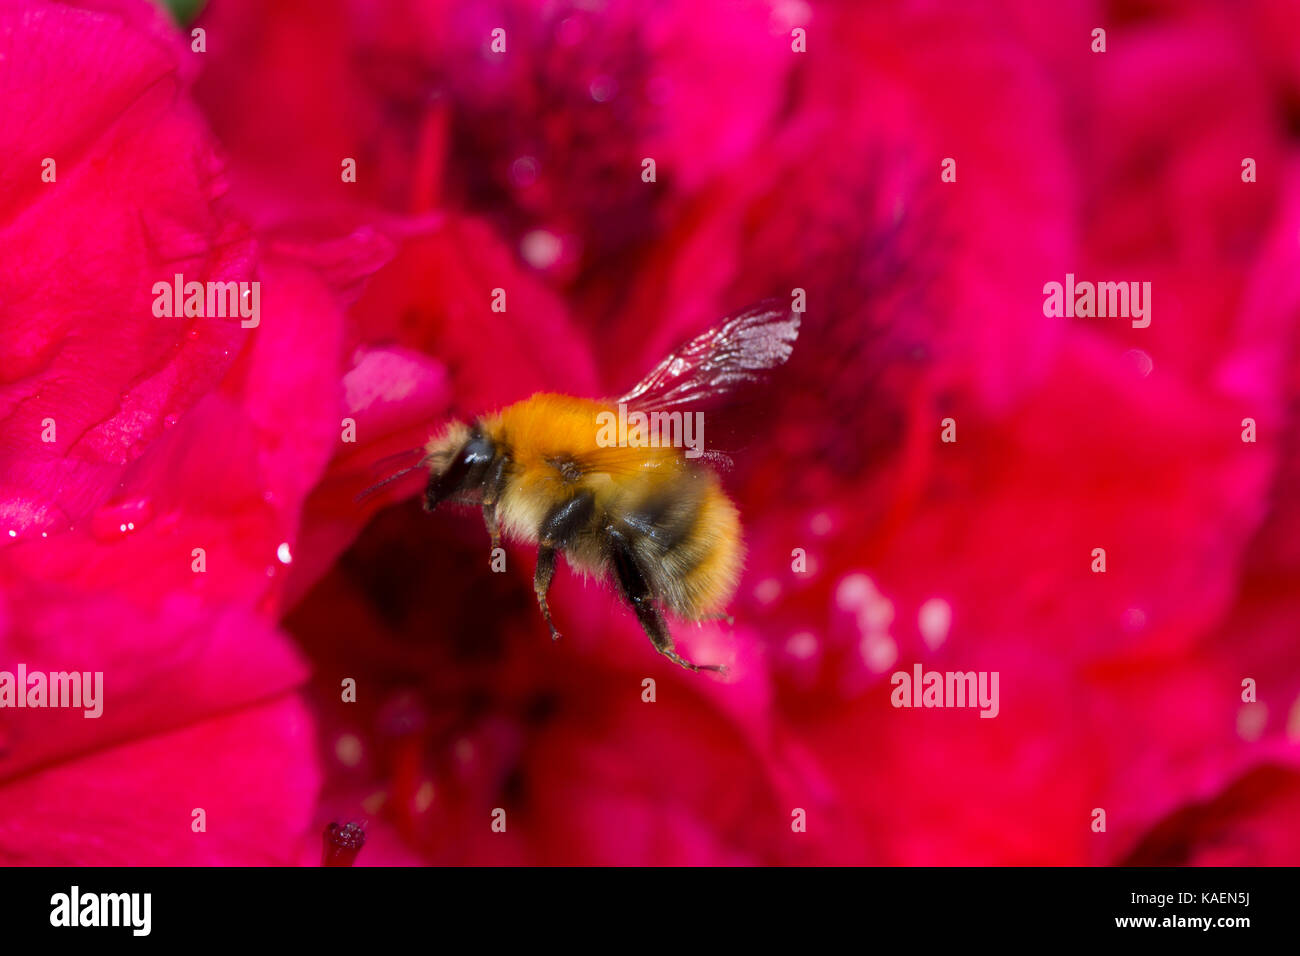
(647, 516)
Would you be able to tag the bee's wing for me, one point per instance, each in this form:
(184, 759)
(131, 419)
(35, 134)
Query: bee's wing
(729, 357)
(712, 372)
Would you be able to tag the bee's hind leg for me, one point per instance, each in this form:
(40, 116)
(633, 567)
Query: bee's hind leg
(542, 584)
(632, 583)
(558, 528)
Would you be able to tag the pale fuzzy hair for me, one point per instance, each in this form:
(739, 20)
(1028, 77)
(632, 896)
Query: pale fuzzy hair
(442, 448)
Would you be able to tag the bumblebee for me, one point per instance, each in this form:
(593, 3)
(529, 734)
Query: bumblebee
(638, 512)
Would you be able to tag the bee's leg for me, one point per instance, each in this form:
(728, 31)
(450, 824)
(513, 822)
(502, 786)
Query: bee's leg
(542, 584)
(493, 484)
(632, 582)
(558, 529)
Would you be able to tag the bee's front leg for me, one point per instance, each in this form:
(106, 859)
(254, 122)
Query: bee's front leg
(558, 529)
(493, 484)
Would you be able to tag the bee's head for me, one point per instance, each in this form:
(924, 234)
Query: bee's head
(457, 460)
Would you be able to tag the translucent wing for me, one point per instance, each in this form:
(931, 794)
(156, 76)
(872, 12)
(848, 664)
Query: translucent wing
(714, 373)
(730, 356)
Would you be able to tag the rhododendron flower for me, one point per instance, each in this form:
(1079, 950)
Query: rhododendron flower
(946, 477)
(971, 556)
(151, 469)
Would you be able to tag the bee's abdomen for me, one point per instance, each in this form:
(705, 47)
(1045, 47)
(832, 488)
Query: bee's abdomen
(686, 535)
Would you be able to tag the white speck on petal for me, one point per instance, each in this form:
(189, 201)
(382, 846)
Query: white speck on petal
(348, 749)
(879, 652)
(541, 248)
(1293, 721)
(767, 590)
(802, 645)
(853, 591)
(934, 619)
(1251, 719)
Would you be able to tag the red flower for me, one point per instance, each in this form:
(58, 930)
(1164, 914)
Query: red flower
(154, 467)
(1160, 691)
(924, 303)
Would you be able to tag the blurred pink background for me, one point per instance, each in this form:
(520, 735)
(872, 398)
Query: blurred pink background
(1120, 691)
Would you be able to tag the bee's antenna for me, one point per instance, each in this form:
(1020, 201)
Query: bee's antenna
(366, 493)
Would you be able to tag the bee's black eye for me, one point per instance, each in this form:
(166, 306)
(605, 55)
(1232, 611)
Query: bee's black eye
(465, 472)
(478, 449)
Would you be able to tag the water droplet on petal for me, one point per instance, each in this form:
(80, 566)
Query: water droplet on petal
(541, 248)
(767, 591)
(114, 521)
(876, 614)
(523, 172)
(1251, 719)
(348, 749)
(1140, 361)
(934, 620)
(282, 552)
(788, 14)
(853, 591)
(801, 646)
(1133, 620)
(424, 796)
(1293, 721)
(879, 652)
